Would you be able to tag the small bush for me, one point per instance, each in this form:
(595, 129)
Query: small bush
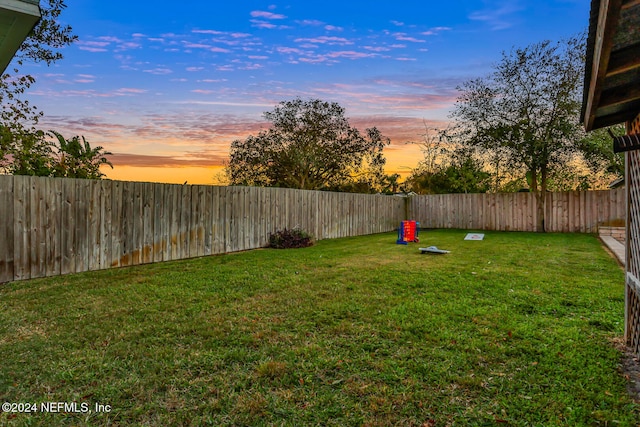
(289, 239)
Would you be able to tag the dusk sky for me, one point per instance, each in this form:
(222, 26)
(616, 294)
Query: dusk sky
(166, 86)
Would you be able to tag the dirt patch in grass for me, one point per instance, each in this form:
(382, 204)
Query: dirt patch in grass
(630, 369)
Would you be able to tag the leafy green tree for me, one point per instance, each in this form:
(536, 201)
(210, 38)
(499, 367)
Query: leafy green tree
(310, 145)
(24, 152)
(33, 154)
(42, 45)
(447, 168)
(23, 148)
(597, 148)
(459, 172)
(525, 114)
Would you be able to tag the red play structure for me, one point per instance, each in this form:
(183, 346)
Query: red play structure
(408, 232)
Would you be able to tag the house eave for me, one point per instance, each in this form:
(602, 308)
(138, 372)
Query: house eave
(17, 19)
(612, 74)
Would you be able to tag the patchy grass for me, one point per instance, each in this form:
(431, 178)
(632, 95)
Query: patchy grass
(513, 330)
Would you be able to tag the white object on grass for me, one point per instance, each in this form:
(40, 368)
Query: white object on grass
(433, 250)
(474, 236)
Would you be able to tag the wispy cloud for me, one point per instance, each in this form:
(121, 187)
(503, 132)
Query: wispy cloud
(92, 46)
(498, 15)
(350, 54)
(85, 78)
(266, 15)
(104, 43)
(210, 48)
(130, 91)
(88, 93)
(403, 37)
(328, 40)
(311, 22)
(265, 25)
(160, 71)
(203, 91)
(377, 48)
(435, 31)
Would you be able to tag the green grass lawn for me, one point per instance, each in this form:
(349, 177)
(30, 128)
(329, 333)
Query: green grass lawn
(513, 330)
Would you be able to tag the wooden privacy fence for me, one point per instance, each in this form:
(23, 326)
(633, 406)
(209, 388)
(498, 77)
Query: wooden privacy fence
(573, 211)
(52, 226)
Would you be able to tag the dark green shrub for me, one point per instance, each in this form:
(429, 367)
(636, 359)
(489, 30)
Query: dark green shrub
(289, 239)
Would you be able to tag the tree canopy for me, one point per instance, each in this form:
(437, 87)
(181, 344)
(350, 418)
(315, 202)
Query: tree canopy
(309, 145)
(446, 168)
(43, 44)
(524, 115)
(24, 149)
(32, 153)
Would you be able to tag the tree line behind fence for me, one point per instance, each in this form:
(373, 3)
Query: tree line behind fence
(53, 226)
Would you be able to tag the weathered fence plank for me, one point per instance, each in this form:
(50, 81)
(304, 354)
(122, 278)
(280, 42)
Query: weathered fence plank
(95, 211)
(68, 227)
(146, 195)
(7, 229)
(117, 230)
(173, 198)
(37, 213)
(106, 217)
(52, 225)
(21, 237)
(160, 222)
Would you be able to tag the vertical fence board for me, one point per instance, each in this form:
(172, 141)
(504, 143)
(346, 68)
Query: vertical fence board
(106, 217)
(227, 217)
(263, 217)
(160, 222)
(148, 226)
(81, 238)
(134, 224)
(37, 236)
(207, 220)
(128, 200)
(173, 199)
(117, 218)
(219, 220)
(68, 227)
(185, 221)
(245, 228)
(94, 235)
(7, 229)
(199, 223)
(193, 222)
(21, 236)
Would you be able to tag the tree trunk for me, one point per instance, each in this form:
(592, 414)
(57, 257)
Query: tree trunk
(543, 195)
(540, 212)
(539, 195)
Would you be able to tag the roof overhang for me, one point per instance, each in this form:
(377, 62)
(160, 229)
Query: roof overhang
(17, 19)
(612, 73)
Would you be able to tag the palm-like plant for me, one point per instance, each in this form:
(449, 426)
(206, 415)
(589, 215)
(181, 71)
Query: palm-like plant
(77, 159)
